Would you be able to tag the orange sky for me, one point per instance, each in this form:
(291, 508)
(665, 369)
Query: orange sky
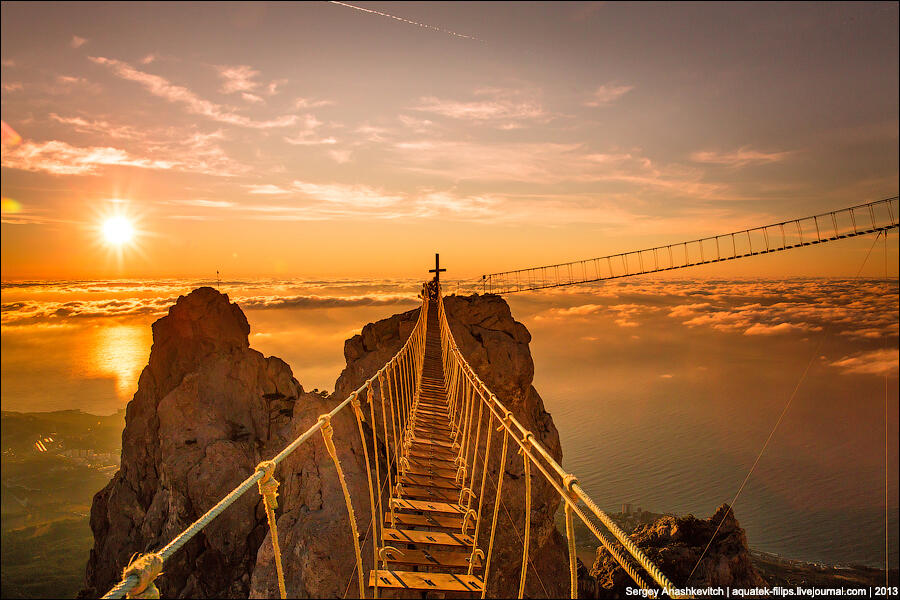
(313, 140)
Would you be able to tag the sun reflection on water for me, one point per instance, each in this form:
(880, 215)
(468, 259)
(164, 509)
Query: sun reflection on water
(120, 352)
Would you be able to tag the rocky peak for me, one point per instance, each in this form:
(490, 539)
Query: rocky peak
(676, 544)
(199, 324)
(207, 410)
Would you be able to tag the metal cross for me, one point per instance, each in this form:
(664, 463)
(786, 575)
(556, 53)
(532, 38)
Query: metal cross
(437, 270)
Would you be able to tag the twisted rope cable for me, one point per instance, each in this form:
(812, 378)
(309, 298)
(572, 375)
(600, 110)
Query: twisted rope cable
(490, 552)
(475, 451)
(484, 470)
(362, 438)
(570, 537)
(380, 523)
(527, 524)
(268, 489)
(387, 475)
(625, 540)
(145, 568)
(328, 435)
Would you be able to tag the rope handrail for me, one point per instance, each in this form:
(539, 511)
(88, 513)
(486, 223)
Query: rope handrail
(526, 441)
(131, 579)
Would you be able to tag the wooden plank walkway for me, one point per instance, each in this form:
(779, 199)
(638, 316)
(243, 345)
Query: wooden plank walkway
(429, 551)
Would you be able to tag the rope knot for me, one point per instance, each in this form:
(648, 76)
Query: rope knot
(354, 402)
(268, 485)
(327, 430)
(569, 482)
(146, 568)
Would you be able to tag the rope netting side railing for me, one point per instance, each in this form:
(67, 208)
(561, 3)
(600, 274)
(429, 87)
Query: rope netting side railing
(396, 383)
(467, 395)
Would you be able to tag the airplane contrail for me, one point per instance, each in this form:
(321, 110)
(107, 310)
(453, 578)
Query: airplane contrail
(401, 19)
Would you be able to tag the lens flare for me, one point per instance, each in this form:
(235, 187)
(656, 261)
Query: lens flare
(8, 135)
(117, 230)
(9, 205)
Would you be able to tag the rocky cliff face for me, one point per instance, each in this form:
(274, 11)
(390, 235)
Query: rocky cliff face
(207, 410)
(675, 544)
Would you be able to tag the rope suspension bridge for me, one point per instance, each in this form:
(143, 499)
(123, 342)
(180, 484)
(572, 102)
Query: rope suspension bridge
(441, 425)
(862, 219)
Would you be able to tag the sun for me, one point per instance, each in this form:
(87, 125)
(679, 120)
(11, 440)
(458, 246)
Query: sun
(118, 230)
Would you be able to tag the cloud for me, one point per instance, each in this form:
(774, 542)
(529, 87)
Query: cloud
(687, 310)
(311, 103)
(238, 78)
(552, 162)
(99, 127)
(311, 301)
(77, 42)
(342, 194)
(198, 153)
(502, 107)
(308, 139)
(204, 203)
(60, 158)
(760, 329)
(266, 189)
(739, 158)
(162, 88)
(607, 94)
(28, 312)
(340, 156)
(876, 362)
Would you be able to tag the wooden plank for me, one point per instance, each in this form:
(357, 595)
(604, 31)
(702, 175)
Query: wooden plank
(437, 427)
(430, 493)
(432, 463)
(426, 506)
(427, 471)
(436, 452)
(427, 520)
(432, 442)
(434, 538)
(434, 558)
(432, 452)
(434, 422)
(441, 582)
(432, 429)
(431, 482)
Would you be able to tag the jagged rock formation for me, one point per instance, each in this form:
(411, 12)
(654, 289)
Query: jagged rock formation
(207, 410)
(675, 544)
